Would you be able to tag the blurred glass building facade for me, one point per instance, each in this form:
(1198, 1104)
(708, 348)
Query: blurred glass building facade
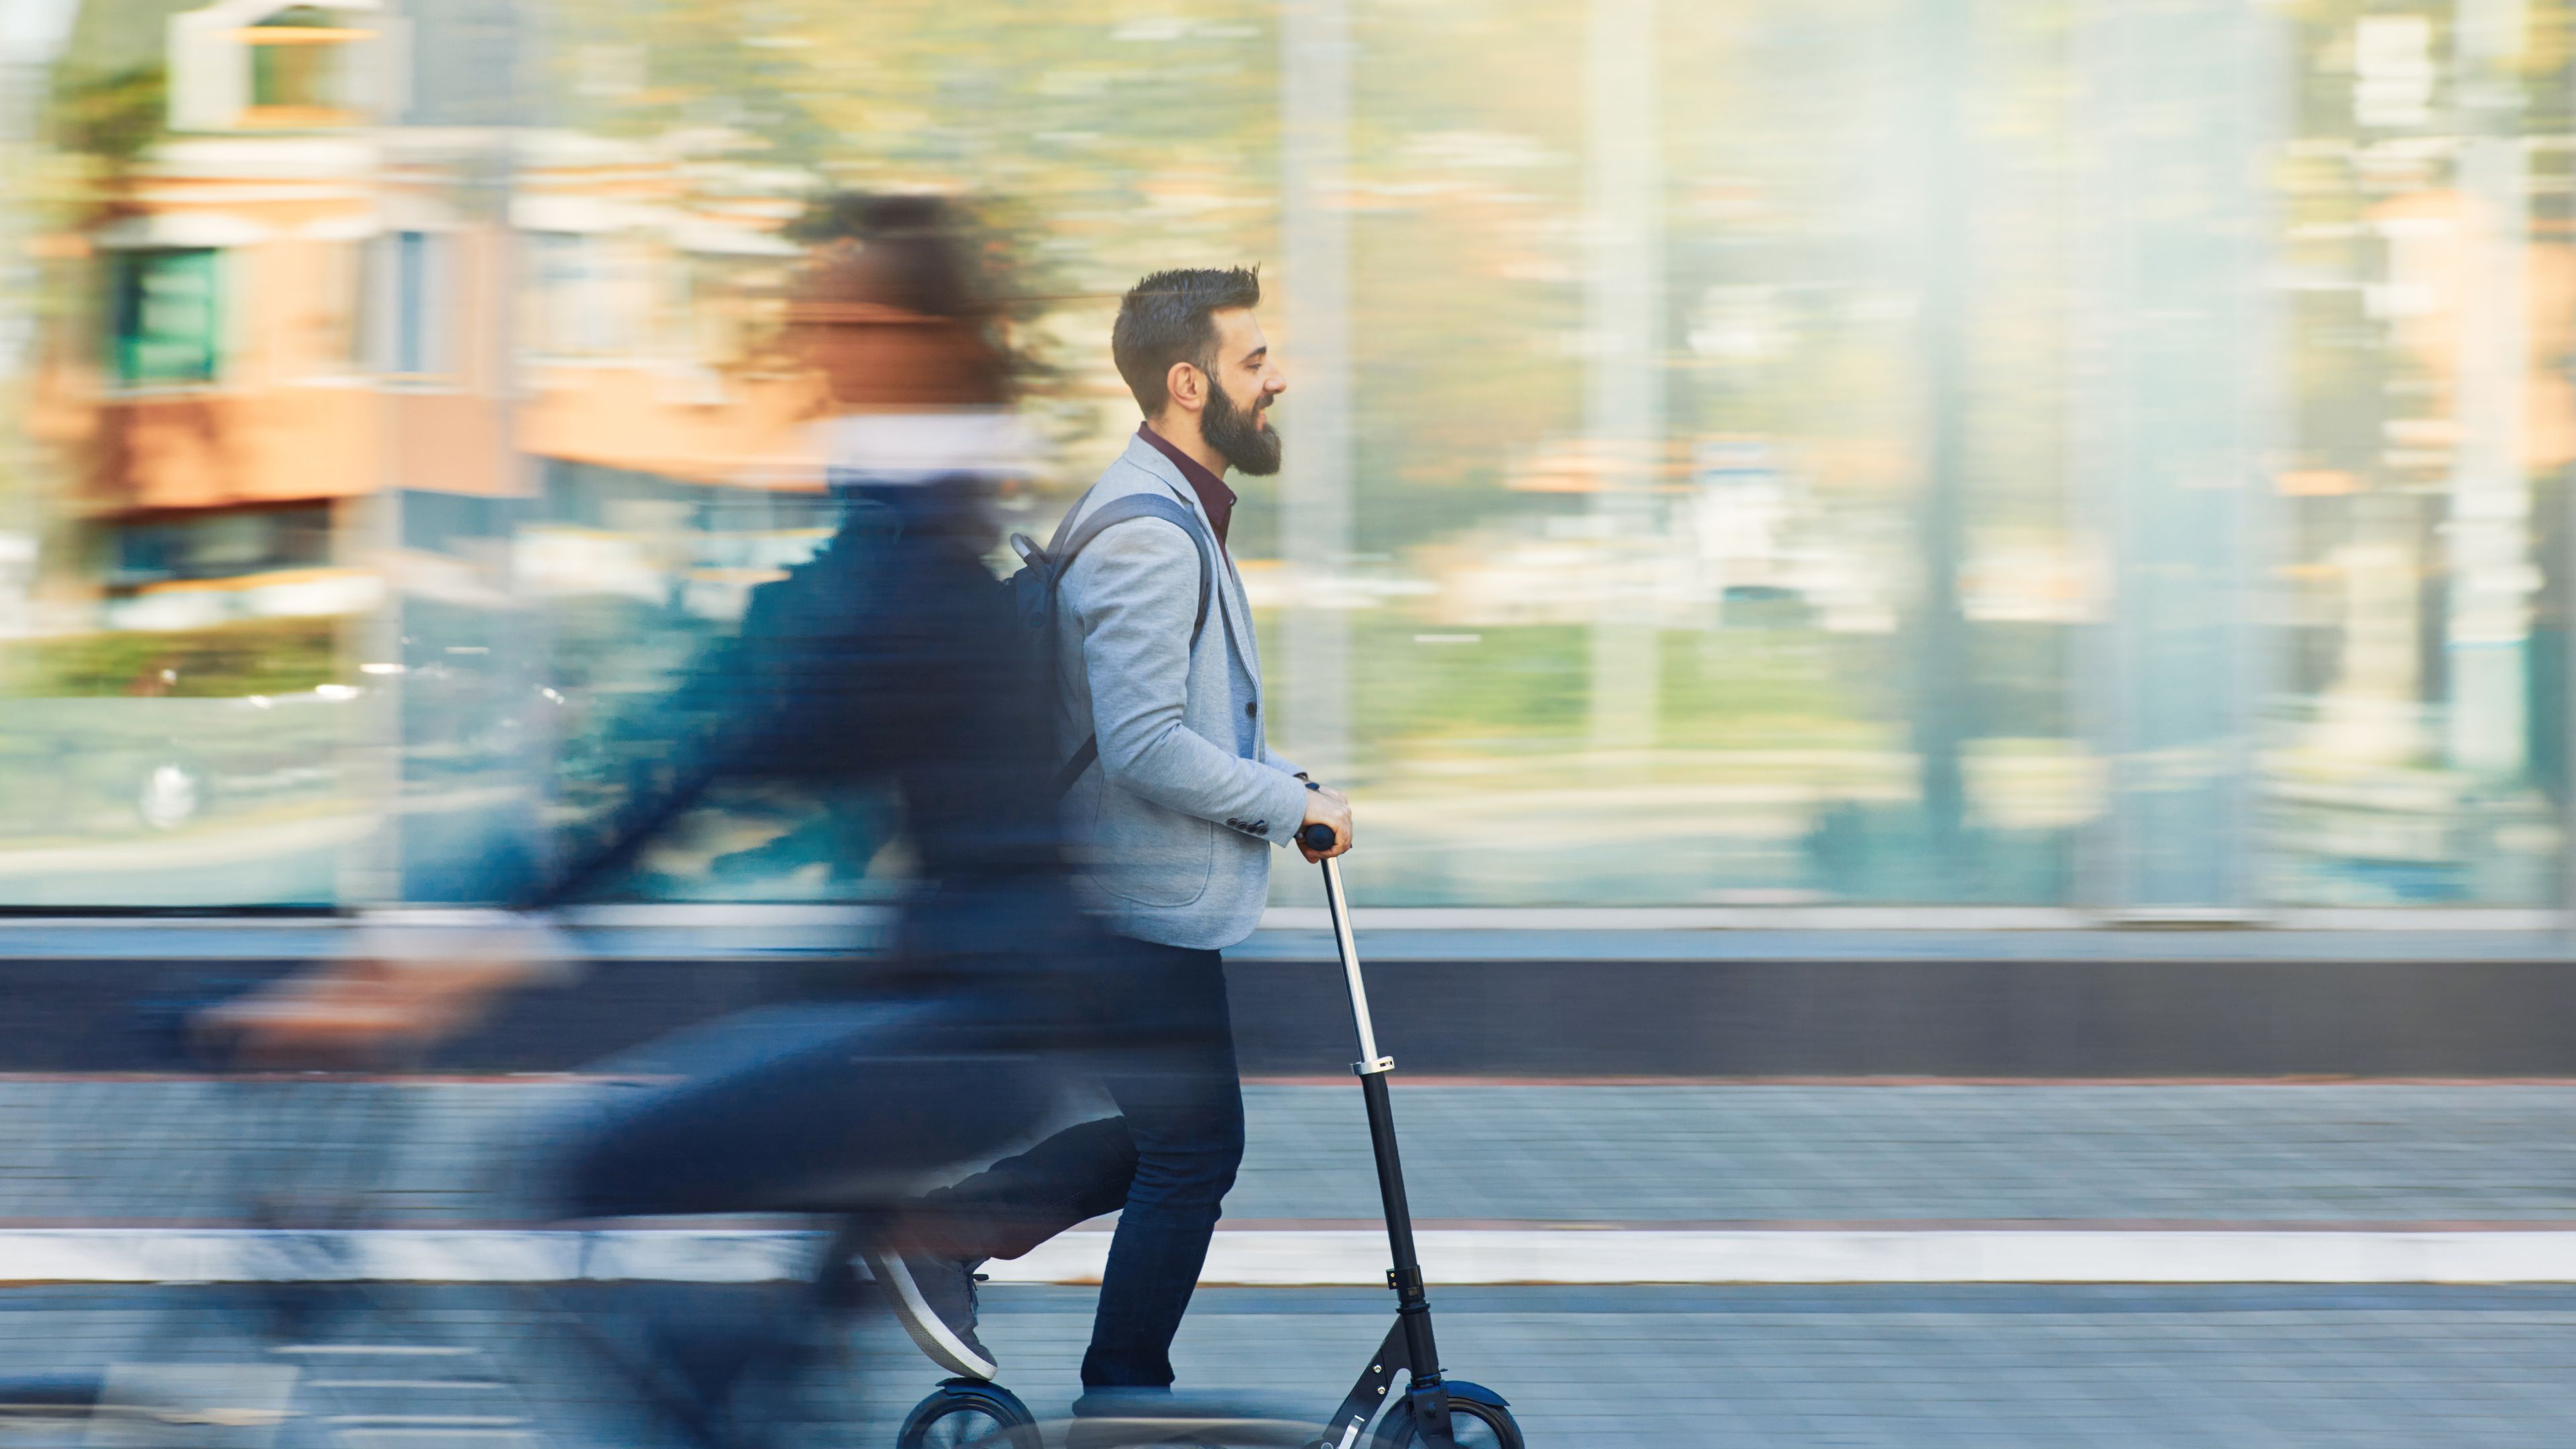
(2100, 453)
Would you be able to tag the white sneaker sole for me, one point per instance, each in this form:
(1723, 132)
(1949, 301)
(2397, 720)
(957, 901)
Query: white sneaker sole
(929, 1332)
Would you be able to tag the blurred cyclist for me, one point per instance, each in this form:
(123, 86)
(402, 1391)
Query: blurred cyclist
(892, 656)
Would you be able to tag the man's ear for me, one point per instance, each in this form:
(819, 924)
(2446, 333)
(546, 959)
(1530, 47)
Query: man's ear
(1187, 386)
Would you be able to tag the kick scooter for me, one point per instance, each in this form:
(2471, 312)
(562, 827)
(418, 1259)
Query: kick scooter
(1434, 1412)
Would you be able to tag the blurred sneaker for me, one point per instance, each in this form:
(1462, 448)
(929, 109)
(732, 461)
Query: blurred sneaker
(934, 1298)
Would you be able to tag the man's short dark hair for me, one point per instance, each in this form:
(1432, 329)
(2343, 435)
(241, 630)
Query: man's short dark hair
(1168, 318)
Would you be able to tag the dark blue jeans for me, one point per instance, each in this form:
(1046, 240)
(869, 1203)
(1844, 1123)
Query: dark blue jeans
(1164, 1163)
(821, 1107)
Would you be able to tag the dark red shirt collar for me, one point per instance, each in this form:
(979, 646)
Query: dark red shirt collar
(1214, 496)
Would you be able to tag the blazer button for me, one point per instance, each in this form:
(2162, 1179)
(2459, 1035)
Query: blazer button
(1252, 709)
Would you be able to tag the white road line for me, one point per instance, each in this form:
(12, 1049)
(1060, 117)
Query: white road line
(397, 1255)
(356, 1350)
(362, 1437)
(478, 1385)
(440, 1421)
(1507, 1256)
(1293, 1257)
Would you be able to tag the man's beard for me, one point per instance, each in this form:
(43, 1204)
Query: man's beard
(1252, 447)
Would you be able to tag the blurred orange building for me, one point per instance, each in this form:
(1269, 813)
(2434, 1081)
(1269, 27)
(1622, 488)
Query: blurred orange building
(309, 291)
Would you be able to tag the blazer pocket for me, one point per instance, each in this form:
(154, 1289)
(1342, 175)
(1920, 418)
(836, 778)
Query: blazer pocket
(1151, 856)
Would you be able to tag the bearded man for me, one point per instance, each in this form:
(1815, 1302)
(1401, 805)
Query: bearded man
(1173, 814)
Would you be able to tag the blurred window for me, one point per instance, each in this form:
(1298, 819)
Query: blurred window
(411, 303)
(165, 315)
(224, 545)
(296, 62)
(410, 295)
(2414, 740)
(2114, 455)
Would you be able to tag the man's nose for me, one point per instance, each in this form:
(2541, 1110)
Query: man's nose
(1277, 384)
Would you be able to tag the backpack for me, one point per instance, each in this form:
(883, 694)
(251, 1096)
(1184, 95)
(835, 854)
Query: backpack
(1041, 576)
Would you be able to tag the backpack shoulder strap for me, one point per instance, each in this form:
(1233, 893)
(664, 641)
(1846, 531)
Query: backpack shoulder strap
(1062, 550)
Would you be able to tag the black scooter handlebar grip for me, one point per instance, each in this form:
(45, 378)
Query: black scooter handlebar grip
(1317, 837)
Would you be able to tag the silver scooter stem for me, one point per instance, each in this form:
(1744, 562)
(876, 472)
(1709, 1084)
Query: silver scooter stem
(1369, 1062)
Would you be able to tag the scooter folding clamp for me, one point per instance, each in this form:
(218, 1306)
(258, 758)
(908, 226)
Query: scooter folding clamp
(1371, 1069)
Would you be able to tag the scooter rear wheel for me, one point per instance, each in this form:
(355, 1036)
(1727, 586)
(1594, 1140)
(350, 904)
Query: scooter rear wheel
(969, 1412)
(1474, 1423)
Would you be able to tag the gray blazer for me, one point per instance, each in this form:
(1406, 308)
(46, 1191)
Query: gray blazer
(1175, 824)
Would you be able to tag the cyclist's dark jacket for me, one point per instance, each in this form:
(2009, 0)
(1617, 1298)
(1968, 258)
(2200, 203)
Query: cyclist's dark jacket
(893, 655)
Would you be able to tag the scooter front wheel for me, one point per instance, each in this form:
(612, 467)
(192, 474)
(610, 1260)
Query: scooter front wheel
(964, 1412)
(1478, 1419)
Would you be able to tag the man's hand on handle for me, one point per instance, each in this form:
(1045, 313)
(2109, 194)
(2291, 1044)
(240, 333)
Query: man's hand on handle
(1330, 807)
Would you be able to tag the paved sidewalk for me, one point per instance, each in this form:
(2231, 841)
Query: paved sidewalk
(195, 1150)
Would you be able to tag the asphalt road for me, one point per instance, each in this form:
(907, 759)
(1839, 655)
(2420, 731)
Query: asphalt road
(1995, 1368)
